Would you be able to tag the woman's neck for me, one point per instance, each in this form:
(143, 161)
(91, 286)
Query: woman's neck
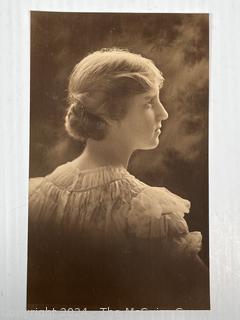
(103, 153)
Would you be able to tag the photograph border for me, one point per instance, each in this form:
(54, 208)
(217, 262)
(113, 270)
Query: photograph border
(224, 148)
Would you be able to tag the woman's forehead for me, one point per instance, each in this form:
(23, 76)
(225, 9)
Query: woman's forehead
(151, 93)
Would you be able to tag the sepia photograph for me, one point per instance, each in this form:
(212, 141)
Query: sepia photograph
(119, 173)
(118, 167)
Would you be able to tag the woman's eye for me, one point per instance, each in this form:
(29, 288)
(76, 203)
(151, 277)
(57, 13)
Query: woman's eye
(149, 104)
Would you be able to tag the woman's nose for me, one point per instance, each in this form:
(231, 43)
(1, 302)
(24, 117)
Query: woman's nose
(162, 113)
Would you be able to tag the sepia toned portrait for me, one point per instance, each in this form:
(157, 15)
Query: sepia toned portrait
(118, 174)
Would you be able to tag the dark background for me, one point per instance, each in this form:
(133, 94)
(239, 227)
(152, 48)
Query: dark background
(179, 46)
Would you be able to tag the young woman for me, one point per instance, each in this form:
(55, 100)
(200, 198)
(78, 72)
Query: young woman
(99, 237)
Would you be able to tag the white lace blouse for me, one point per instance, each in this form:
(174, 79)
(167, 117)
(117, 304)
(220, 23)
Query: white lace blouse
(102, 237)
(111, 205)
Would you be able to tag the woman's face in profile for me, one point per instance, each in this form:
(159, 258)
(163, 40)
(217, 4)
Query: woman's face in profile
(141, 126)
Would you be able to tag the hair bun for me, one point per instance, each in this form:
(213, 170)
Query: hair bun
(81, 124)
(77, 108)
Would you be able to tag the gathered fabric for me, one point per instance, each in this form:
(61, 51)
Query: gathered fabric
(110, 202)
(77, 216)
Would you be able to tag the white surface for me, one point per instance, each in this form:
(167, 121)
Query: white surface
(224, 152)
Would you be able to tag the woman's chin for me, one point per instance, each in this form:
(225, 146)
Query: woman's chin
(155, 142)
(154, 145)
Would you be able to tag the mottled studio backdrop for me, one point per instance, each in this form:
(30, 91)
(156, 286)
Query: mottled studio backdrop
(178, 44)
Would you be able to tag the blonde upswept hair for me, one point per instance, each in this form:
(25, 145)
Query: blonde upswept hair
(99, 86)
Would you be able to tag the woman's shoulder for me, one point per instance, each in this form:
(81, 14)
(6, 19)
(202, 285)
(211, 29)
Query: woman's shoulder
(61, 175)
(108, 184)
(157, 213)
(69, 177)
(70, 191)
(111, 182)
(162, 200)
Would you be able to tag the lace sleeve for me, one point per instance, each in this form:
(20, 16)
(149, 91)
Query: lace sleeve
(157, 213)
